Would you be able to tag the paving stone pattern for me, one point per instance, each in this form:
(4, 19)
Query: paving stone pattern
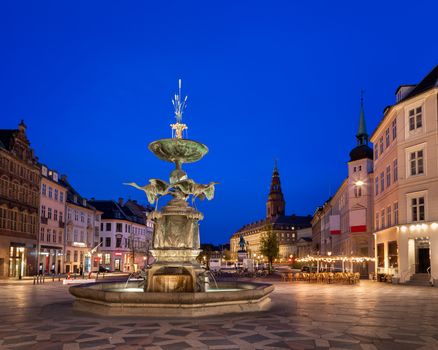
(368, 316)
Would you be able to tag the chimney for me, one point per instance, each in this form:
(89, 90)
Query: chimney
(64, 177)
(120, 201)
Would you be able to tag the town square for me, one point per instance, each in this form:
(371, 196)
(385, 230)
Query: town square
(243, 175)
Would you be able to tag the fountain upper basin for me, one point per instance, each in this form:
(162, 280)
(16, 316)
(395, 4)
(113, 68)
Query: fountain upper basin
(105, 298)
(178, 150)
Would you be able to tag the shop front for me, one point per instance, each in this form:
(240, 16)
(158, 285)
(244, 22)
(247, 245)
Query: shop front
(21, 259)
(407, 250)
(50, 261)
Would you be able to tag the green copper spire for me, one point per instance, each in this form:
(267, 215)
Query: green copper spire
(362, 135)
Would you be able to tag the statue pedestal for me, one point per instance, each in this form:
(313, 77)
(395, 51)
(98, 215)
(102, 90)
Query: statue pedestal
(175, 249)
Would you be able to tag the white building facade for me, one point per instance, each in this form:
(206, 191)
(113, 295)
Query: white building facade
(52, 223)
(406, 183)
(81, 232)
(125, 235)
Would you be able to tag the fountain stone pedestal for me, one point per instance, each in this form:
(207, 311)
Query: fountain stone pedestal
(175, 248)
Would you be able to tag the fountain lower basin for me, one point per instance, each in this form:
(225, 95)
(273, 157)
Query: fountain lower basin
(108, 299)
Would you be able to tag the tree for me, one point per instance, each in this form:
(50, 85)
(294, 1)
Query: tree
(269, 247)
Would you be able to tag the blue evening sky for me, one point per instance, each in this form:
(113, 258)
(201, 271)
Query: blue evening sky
(93, 81)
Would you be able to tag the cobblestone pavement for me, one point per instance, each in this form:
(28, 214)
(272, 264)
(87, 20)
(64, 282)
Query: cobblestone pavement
(303, 316)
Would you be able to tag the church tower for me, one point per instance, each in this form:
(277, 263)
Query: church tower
(275, 206)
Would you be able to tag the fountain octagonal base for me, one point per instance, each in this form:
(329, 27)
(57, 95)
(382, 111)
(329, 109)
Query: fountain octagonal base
(101, 299)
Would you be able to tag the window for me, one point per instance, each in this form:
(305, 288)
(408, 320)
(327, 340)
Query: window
(354, 169)
(75, 235)
(50, 192)
(377, 224)
(376, 153)
(382, 182)
(42, 234)
(395, 169)
(67, 258)
(43, 211)
(415, 118)
(108, 242)
(360, 167)
(55, 215)
(388, 216)
(382, 218)
(82, 217)
(101, 226)
(101, 240)
(387, 138)
(75, 256)
(56, 194)
(395, 208)
(119, 227)
(388, 176)
(54, 236)
(43, 189)
(49, 213)
(417, 209)
(381, 255)
(416, 163)
(118, 241)
(394, 128)
(357, 191)
(393, 254)
(376, 185)
(61, 197)
(381, 144)
(60, 237)
(107, 259)
(60, 216)
(76, 215)
(108, 226)
(82, 236)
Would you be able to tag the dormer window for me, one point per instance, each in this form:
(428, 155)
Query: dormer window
(75, 198)
(84, 202)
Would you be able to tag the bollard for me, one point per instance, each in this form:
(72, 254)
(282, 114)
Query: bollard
(44, 277)
(34, 280)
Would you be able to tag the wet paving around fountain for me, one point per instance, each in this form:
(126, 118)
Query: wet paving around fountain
(303, 316)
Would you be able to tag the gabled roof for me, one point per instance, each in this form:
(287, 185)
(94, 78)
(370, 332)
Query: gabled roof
(429, 82)
(113, 210)
(72, 193)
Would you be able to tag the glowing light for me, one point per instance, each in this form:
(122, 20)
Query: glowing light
(404, 229)
(434, 226)
(359, 183)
